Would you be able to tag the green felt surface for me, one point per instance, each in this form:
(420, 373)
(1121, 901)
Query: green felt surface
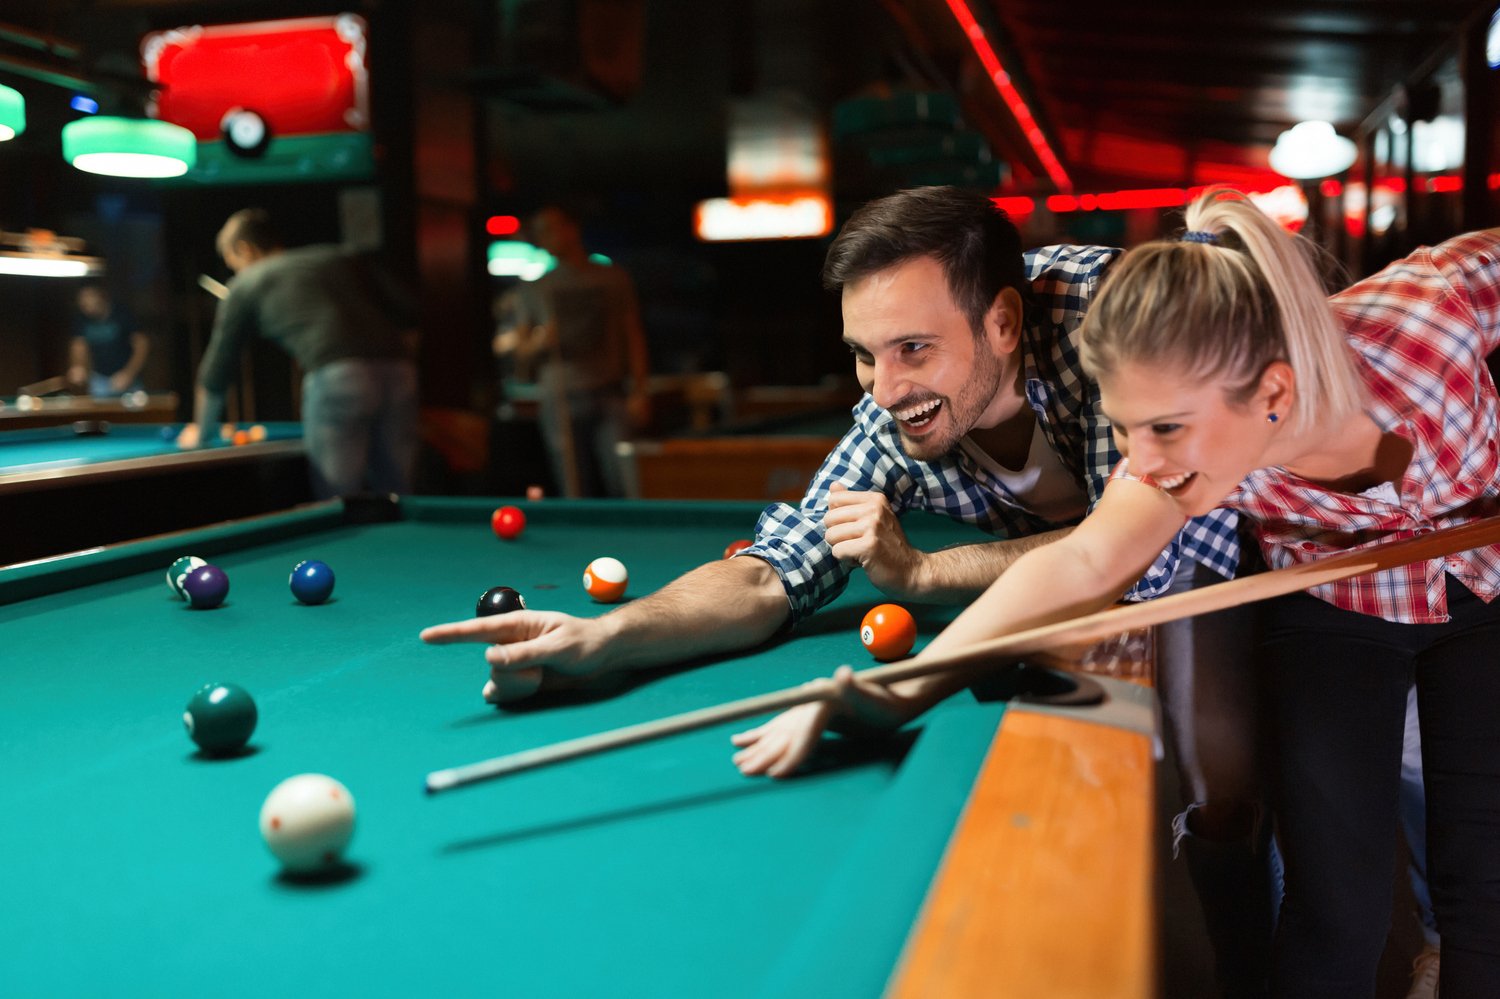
(135, 867)
(63, 447)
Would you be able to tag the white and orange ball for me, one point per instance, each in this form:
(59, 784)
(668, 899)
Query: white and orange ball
(307, 822)
(605, 579)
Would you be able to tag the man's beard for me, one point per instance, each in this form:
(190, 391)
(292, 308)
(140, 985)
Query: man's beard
(959, 412)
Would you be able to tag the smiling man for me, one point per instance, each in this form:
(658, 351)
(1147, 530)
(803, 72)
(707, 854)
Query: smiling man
(975, 408)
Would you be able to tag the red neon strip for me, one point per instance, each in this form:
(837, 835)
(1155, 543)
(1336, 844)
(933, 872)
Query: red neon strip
(1062, 203)
(1331, 188)
(1445, 184)
(502, 225)
(1162, 197)
(1015, 207)
(1009, 94)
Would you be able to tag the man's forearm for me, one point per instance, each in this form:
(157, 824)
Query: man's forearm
(718, 607)
(208, 409)
(959, 574)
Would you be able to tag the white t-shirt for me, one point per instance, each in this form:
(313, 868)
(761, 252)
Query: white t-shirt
(1043, 485)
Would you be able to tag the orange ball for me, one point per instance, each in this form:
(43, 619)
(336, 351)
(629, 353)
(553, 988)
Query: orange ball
(257, 434)
(241, 438)
(605, 579)
(888, 631)
(736, 547)
(508, 522)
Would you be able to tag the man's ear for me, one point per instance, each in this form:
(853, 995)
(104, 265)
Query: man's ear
(1003, 320)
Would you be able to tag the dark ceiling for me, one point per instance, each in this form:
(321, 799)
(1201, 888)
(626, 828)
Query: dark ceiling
(1183, 91)
(1131, 95)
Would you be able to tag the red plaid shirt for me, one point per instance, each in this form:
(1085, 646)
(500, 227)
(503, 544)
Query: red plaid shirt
(1422, 328)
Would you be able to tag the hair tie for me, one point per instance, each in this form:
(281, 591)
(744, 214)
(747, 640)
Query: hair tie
(1192, 236)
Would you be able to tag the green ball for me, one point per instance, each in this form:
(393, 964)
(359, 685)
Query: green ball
(219, 718)
(179, 571)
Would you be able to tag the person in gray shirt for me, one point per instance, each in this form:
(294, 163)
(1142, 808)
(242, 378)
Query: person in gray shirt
(349, 326)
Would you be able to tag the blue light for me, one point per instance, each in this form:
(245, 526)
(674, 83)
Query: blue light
(87, 105)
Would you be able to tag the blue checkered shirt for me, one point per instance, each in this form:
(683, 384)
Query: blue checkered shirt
(870, 458)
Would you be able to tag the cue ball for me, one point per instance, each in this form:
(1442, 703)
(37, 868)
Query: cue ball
(206, 587)
(605, 579)
(220, 717)
(311, 581)
(179, 570)
(508, 522)
(307, 821)
(735, 547)
(888, 631)
(499, 600)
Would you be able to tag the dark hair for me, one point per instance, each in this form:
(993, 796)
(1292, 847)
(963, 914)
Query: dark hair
(254, 226)
(972, 239)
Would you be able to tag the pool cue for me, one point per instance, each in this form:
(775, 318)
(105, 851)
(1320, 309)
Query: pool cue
(215, 288)
(54, 384)
(1087, 628)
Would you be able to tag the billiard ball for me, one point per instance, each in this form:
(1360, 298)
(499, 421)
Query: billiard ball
(241, 438)
(499, 600)
(226, 432)
(179, 569)
(534, 492)
(735, 547)
(888, 631)
(206, 586)
(311, 581)
(257, 433)
(508, 522)
(307, 822)
(220, 717)
(605, 579)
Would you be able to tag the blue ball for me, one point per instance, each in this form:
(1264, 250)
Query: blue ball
(312, 581)
(206, 586)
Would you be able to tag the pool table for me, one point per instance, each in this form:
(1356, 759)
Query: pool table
(47, 411)
(95, 482)
(133, 865)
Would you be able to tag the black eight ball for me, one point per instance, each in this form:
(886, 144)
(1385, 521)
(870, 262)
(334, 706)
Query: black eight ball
(499, 600)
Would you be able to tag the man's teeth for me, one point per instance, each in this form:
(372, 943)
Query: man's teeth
(918, 410)
(1175, 481)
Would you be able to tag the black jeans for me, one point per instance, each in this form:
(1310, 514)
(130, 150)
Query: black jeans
(1337, 693)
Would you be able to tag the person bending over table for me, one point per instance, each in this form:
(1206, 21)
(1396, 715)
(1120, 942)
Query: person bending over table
(976, 408)
(349, 326)
(1230, 382)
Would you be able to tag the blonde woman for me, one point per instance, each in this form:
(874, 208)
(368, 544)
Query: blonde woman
(1329, 425)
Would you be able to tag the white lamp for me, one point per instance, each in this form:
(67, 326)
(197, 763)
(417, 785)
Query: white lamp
(129, 147)
(1310, 150)
(12, 113)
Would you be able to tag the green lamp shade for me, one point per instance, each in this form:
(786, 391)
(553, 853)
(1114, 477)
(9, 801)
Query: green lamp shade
(12, 113)
(129, 147)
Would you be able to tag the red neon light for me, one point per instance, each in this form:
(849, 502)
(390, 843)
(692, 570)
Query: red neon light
(502, 225)
(1062, 203)
(1495, 182)
(1331, 188)
(1008, 93)
(1161, 197)
(1396, 185)
(1015, 207)
(1445, 184)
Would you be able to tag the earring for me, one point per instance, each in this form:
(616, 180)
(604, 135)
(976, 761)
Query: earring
(1272, 417)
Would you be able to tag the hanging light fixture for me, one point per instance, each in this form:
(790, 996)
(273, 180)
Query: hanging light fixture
(12, 113)
(1311, 150)
(129, 147)
(41, 253)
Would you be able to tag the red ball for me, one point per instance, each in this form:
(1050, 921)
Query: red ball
(888, 631)
(508, 522)
(735, 547)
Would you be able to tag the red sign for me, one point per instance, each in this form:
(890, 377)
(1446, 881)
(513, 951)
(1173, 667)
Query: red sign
(303, 76)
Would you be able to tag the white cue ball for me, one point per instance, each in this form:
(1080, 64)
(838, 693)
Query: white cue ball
(307, 822)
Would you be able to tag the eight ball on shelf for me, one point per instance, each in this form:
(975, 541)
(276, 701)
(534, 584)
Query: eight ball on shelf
(499, 600)
(311, 581)
(219, 717)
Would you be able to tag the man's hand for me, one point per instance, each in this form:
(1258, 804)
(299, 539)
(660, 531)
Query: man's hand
(862, 530)
(528, 648)
(189, 437)
(780, 746)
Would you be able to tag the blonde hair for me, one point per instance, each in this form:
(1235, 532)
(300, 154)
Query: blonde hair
(1227, 308)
